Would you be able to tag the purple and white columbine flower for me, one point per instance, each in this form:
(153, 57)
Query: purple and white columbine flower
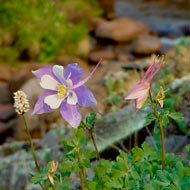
(65, 90)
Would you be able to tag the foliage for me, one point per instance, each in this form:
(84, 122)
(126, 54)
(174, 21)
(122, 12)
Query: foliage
(40, 30)
(182, 57)
(115, 94)
(139, 170)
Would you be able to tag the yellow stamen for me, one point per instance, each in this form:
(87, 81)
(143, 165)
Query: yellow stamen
(61, 91)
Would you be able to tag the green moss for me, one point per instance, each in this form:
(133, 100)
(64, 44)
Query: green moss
(40, 30)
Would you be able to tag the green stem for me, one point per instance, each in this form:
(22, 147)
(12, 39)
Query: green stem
(33, 150)
(136, 138)
(94, 143)
(93, 140)
(81, 170)
(85, 178)
(54, 188)
(161, 131)
(42, 186)
(31, 144)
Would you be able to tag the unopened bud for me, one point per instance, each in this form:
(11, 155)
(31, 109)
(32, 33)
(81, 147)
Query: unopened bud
(21, 103)
(160, 97)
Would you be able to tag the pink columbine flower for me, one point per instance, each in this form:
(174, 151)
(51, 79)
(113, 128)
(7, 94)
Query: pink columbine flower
(141, 90)
(65, 90)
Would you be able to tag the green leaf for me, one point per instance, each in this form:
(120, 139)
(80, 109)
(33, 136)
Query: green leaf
(137, 155)
(81, 137)
(92, 185)
(90, 154)
(166, 121)
(39, 178)
(68, 145)
(176, 116)
(116, 183)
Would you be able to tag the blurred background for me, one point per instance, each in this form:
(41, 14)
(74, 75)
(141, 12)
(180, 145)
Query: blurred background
(126, 34)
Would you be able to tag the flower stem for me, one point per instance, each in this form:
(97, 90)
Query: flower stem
(94, 143)
(81, 170)
(31, 144)
(161, 131)
(93, 140)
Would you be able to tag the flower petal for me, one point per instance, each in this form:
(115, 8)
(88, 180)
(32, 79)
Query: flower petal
(43, 71)
(140, 101)
(40, 107)
(53, 101)
(74, 72)
(140, 90)
(85, 97)
(48, 82)
(71, 113)
(87, 78)
(150, 69)
(48, 70)
(58, 72)
(153, 73)
(72, 98)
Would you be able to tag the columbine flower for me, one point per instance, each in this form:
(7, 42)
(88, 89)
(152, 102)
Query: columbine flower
(21, 103)
(140, 92)
(64, 90)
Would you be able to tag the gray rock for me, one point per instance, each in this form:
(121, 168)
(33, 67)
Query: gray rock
(16, 163)
(4, 127)
(173, 144)
(6, 111)
(180, 82)
(146, 45)
(5, 94)
(119, 126)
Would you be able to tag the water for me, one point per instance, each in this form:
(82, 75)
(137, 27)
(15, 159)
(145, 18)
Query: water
(163, 17)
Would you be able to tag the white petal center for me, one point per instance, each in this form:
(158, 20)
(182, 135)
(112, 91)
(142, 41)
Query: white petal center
(53, 101)
(72, 98)
(58, 72)
(48, 82)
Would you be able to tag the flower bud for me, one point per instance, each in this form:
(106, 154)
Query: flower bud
(21, 103)
(160, 97)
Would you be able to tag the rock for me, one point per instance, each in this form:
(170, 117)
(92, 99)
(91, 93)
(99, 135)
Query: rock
(108, 7)
(5, 94)
(6, 112)
(5, 73)
(146, 45)
(21, 75)
(117, 126)
(121, 29)
(180, 82)
(3, 127)
(37, 125)
(16, 169)
(16, 162)
(102, 54)
(94, 22)
(177, 86)
(173, 143)
(83, 48)
(186, 29)
(169, 44)
(18, 80)
(6, 129)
